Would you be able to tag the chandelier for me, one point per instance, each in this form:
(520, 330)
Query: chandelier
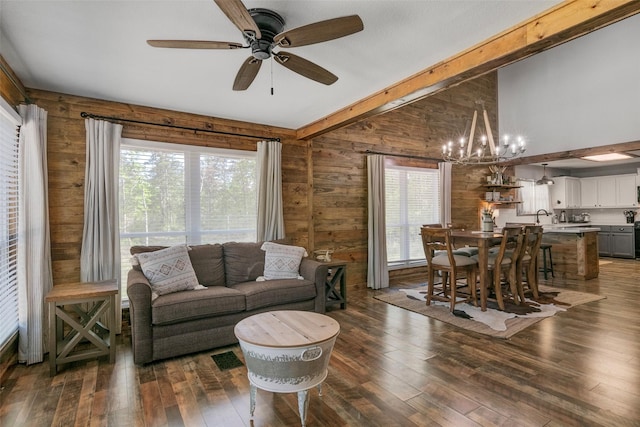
(484, 150)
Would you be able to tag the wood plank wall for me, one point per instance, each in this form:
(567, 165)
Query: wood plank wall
(332, 215)
(339, 165)
(66, 162)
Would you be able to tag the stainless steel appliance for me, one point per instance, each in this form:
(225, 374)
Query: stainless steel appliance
(636, 230)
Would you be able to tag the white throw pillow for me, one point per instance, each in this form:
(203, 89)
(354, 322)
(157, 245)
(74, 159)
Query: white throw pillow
(168, 270)
(282, 261)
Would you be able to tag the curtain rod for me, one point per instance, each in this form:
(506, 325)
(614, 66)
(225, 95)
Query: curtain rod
(117, 119)
(404, 155)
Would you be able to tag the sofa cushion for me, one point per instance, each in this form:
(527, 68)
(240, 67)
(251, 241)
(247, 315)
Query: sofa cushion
(207, 261)
(183, 306)
(243, 261)
(168, 270)
(275, 292)
(282, 261)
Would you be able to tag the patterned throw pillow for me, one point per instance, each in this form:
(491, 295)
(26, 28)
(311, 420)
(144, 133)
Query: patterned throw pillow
(282, 261)
(168, 270)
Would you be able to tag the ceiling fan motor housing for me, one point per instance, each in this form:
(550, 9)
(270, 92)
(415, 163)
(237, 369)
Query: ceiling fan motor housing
(270, 24)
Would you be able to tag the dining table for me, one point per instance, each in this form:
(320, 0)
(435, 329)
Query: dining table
(483, 241)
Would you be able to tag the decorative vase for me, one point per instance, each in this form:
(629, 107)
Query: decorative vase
(498, 178)
(487, 223)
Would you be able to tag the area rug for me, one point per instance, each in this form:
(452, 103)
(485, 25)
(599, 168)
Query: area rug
(492, 322)
(227, 360)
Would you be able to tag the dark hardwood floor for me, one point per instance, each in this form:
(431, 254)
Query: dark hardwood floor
(390, 367)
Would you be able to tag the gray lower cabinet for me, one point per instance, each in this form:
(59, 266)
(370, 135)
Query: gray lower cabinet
(616, 241)
(604, 240)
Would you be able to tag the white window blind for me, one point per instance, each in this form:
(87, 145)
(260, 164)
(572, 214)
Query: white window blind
(172, 194)
(533, 197)
(412, 197)
(9, 122)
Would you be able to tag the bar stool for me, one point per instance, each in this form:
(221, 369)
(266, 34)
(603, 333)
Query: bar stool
(546, 250)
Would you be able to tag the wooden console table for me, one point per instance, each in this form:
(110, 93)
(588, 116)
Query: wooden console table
(336, 284)
(74, 313)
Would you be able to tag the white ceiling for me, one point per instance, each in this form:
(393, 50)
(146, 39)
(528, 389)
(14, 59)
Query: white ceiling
(98, 49)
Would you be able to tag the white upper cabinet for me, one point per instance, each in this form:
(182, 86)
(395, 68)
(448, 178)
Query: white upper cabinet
(589, 192)
(565, 193)
(607, 192)
(615, 191)
(626, 191)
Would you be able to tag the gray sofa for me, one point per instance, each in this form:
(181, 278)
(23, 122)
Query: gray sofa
(195, 320)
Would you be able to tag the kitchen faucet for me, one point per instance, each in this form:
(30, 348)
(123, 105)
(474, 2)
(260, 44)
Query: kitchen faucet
(537, 215)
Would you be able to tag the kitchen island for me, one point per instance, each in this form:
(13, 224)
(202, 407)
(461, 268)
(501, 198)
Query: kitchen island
(575, 251)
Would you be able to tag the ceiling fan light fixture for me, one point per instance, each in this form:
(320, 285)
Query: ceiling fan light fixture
(545, 180)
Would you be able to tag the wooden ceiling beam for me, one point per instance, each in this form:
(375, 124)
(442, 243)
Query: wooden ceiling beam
(555, 26)
(622, 147)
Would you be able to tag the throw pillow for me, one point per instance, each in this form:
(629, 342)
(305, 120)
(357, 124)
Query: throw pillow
(282, 261)
(168, 270)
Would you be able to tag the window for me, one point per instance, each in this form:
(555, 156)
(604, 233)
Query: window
(412, 197)
(9, 121)
(533, 197)
(172, 194)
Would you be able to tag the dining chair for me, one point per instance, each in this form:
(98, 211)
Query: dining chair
(463, 250)
(528, 263)
(503, 263)
(441, 257)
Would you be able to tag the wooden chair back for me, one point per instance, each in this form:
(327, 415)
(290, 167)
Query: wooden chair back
(437, 239)
(534, 240)
(510, 246)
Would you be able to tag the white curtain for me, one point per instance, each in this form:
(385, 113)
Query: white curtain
(377, 271)
(34, 248)
(445, 191)
(270, 212)
(100, 255)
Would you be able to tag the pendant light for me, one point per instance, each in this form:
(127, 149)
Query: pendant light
(544, 180)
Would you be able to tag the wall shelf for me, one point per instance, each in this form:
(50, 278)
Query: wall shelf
(504, 202)
(502, 186)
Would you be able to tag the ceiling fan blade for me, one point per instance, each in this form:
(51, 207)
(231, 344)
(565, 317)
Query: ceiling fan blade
(194, 44)
(320, 31)
(305, 68)
(238, 14)
(247, 73)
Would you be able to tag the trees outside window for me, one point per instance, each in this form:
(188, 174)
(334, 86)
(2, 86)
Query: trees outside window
(412, 198)
(177, 194)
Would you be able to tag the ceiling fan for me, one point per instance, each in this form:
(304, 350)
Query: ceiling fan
(263, 31)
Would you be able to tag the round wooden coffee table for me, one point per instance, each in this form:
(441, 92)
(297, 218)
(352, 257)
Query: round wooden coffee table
(287, 351)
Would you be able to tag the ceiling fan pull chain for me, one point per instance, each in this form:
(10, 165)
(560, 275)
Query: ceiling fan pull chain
(271, 62)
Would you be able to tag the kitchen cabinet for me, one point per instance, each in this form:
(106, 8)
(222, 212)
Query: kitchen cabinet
(565, 193)
(604, 240)
(607, 192)
(616, 241)
(589, 192)
(626, 191)
(614, 191)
